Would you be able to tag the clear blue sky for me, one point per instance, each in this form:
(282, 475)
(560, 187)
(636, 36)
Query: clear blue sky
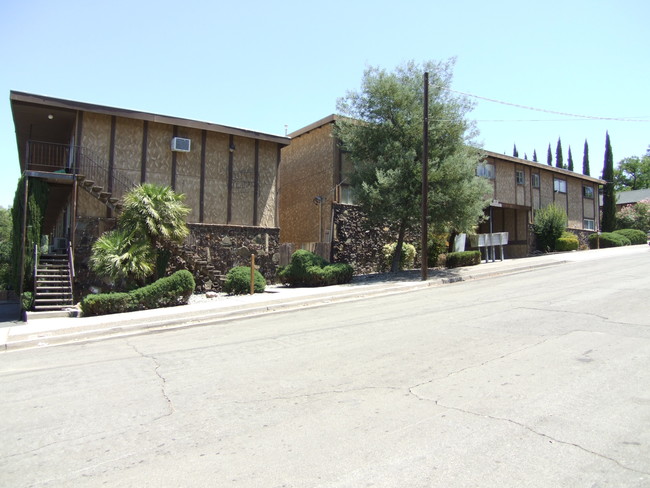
(263, 65)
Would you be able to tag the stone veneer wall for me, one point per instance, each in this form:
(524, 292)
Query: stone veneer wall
(227, 246)
(221, 246)
(358, 243)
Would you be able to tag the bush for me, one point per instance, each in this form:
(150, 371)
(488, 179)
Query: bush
(309, 269)
(437, 245)
(27, 300)
(465, 258)
(608, 239)
(406, 260)
(238, 281)
(634, 235)
(550, 223)
(568, 242)
(166, 292)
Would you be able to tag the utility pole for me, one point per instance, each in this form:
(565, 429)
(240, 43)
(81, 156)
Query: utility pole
(425, 180)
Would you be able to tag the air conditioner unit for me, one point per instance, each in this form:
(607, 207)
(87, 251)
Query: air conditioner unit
(181, 144)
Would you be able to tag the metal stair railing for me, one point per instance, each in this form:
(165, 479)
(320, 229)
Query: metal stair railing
(78, 160)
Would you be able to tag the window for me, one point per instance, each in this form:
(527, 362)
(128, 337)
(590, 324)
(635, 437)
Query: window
(345, 194)
(535, 180)
(588, 191)
(485, 170)
(589, 224)
(559, 185)
(519, 176)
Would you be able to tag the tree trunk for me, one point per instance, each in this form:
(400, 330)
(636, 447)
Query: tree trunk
(397, 256)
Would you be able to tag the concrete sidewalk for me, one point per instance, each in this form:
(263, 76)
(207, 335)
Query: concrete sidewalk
(60, 330)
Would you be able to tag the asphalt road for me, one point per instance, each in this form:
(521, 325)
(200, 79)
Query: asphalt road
(540, 379)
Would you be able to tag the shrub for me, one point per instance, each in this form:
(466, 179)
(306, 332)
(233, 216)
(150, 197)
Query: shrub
(166, 292)
(608, 239)
(465, 258)
(27, 300)
(238, 281)
(634, 235)
(567, 242)
(437, 245)
(309, 269)
(407, 258)
(550, 223)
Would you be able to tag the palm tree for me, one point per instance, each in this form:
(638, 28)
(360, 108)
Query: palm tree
(123, 258)
(158, 213)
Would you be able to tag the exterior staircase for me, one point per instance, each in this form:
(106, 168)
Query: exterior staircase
(96, 190)
(53, 286)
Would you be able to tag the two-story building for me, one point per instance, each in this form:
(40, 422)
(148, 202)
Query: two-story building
(90, 155)
(315, 196)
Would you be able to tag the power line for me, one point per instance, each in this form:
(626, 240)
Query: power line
(555, 112)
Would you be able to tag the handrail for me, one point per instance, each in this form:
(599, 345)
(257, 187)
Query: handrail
(71, 272)
(78, 160)
(71, 260)
(35, 266)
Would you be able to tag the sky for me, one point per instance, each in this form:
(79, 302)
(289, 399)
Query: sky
(276, 66)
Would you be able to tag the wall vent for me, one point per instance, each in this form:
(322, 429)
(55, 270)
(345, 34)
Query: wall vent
(181, 144)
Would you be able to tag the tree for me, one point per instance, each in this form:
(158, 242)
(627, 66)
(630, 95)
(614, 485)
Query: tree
(382, 132)
(125, 258)
(633, 173)
(152, 220)
(535, 155)
(559, 159)
(570, 160)
(634, 216)
(585, 160)
(549, 156)
(158, 213)
(5, 246)
(515, 153)
(608, 223)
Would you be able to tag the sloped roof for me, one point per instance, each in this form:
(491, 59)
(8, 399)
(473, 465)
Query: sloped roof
(632, 196)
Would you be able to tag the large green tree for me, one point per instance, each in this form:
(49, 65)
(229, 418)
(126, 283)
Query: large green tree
(633, 173)
(382, 131)
(608, 223)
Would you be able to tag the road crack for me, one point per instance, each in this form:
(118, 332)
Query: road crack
(541, 434)
(161, 378)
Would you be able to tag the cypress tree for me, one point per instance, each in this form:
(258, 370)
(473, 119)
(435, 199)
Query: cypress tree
(585, 160)
(608, 223)
(515, 153)
(535, 155)
(549, 156)
(559, 159)
(570, 160)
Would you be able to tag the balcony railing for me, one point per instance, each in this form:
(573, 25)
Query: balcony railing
(65, 158)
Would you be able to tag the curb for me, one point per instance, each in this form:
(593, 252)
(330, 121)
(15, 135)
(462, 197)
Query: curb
(178, 319)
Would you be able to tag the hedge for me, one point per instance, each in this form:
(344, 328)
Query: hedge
(608, 239)
(238, 281)
(309, 269)
(567, 242)
(634, 235)
(465, 258)
(166, 292)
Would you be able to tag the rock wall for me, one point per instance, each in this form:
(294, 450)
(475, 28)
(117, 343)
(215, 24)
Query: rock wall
(211, 250)
(356, 242)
